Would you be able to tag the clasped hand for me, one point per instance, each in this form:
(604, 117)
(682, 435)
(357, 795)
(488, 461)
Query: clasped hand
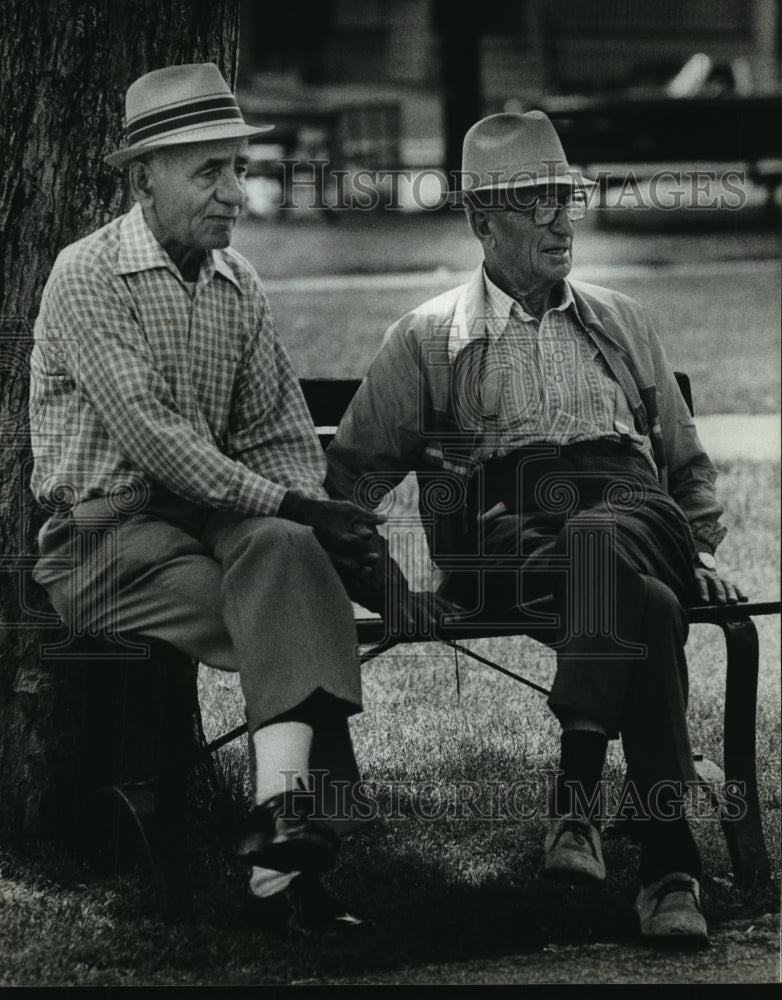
(349, 535)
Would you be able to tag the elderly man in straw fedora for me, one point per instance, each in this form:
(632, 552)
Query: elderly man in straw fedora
(162, 398)
(548, 410)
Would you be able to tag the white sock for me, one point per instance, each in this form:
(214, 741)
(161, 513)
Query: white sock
(265, 882)
(279, 748)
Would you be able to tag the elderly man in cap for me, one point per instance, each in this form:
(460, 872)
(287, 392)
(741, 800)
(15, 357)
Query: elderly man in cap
(163, 400)
(548, 408)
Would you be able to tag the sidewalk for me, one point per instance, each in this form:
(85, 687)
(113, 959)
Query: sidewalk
(345, 243)
(729, 436)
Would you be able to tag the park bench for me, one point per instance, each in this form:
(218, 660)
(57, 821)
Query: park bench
(328, 399)
(156, 805)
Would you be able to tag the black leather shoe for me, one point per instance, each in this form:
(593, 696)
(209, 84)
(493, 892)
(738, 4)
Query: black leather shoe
(304, 909)
(277, 834)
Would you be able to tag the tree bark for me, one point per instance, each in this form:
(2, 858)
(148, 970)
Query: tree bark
(64, 68)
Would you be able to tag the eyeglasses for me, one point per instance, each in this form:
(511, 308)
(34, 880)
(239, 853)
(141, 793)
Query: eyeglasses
(544, 212)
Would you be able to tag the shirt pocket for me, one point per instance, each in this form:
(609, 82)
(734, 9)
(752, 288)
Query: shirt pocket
(212, 377)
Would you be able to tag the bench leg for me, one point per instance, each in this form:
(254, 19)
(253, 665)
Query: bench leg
(744, 836)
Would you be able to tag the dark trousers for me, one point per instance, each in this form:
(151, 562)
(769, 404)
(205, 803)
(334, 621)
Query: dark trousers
(590, 525)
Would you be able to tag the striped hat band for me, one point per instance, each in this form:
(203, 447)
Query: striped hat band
(221, 109)
(178, 105)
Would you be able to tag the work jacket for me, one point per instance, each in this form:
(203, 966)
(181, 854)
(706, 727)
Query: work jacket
(402, 417)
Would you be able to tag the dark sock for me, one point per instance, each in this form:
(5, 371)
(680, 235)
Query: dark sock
(668, 846)
(582, 758)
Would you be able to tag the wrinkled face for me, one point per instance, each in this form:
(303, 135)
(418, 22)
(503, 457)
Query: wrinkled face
(530, 257)
(194, 193)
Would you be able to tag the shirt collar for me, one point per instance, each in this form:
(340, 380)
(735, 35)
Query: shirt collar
(221, 266)
(500, 305)
(140, 251)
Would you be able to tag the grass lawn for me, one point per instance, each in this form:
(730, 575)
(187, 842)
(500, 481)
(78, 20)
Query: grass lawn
(722, 329)
(449, 890)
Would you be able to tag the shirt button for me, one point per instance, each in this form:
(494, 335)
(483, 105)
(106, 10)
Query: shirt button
(559, 377)
(60, 378)
(558, 357)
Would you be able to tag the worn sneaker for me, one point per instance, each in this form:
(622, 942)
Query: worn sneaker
(573, 852)
(669, 912)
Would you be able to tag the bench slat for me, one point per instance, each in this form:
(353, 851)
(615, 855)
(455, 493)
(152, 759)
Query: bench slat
(328, 398)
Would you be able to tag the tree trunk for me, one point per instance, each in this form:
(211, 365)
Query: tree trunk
(64, 69)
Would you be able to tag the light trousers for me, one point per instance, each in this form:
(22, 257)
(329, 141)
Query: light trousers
(257, 595)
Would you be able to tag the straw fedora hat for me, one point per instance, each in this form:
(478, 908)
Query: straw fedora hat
(178, 105)
(511, 150)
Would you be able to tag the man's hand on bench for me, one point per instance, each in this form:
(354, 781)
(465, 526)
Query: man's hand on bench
(711, 588)
(347, 532)
(422, 612)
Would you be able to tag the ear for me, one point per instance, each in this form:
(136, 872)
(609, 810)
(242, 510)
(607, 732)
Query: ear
(140, 186)
(481, 225)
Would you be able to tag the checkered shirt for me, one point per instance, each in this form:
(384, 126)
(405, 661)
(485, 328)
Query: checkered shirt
(136, 381)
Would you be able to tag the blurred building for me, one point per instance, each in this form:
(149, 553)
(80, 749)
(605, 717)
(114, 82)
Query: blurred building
(443, 67)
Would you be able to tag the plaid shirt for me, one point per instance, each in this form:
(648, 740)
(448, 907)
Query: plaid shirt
(546, 382)
(136, 381)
